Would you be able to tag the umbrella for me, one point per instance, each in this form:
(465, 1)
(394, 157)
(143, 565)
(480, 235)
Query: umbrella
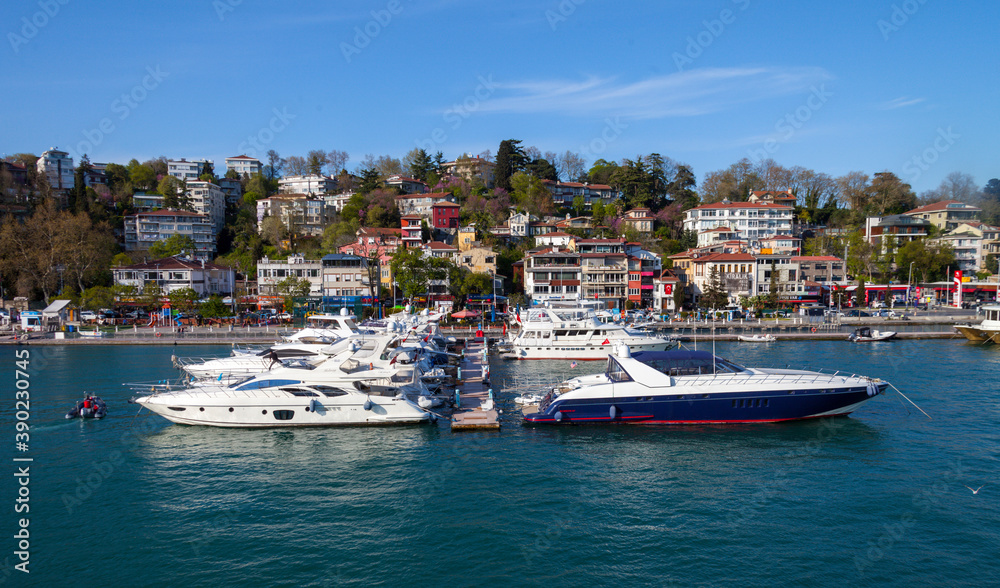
(463, 314)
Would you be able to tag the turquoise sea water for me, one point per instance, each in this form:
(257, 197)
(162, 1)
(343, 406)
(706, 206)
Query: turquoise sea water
(878, 498)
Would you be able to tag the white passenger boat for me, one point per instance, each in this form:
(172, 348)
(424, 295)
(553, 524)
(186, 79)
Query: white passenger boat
(867, 334)
(574, 332)
(987, 331)
(757, 338)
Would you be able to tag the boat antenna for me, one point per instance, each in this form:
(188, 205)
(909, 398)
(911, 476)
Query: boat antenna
(713, 342)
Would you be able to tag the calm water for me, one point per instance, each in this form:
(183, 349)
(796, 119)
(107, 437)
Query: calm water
(877, 498)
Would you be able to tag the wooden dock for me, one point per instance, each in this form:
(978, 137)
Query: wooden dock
(476, 411)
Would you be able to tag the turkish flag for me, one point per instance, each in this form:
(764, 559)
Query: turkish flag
(668, 288)
(606, 342)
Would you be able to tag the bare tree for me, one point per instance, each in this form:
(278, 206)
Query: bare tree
(336, 161)
(571, 166)
(295, 165)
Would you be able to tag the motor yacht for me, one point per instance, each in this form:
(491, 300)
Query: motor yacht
(683, 386)
(574, 332)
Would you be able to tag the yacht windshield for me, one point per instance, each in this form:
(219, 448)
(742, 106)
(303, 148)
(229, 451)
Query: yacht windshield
(688, 363)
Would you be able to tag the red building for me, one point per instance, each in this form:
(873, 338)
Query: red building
(445, 215)
(412, 230)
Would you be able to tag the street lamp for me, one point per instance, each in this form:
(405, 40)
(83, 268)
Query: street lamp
(909, 280)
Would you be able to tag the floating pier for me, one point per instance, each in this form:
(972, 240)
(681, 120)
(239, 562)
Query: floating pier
(475, 409)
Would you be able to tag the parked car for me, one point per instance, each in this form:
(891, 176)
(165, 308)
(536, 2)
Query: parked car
(88, 315)
(285, 316)
(857, 313)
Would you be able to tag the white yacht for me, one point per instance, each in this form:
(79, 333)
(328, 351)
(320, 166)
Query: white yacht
(574, 332)
(987, 331)
(281, 403)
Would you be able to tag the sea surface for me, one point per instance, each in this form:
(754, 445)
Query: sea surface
(878, 498)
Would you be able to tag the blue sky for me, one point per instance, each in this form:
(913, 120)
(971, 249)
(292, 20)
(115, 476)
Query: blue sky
(905, 86)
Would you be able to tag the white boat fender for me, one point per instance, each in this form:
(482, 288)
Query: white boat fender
(559, 416)
(367, 405)
(433, 417)
(613, 412)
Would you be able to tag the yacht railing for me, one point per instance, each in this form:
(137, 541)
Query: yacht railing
(740, 378)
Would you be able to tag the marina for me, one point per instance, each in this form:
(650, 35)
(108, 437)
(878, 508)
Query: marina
(323, 506)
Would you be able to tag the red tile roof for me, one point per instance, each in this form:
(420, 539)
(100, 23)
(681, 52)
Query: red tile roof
(716, 205)
(943, 205)
(815, 258)
(427, 195)
(446, 203)
(172, 263)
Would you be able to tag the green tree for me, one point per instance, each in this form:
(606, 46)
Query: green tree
(171, 246)
(97, 297)
(715, 295)
(773, 295)
(859, 294)
(510, 160)
(183, 299)
(215, 308)
(419, 164)
(142, 176)
(174, 193)
(150, 298)
(579, 205)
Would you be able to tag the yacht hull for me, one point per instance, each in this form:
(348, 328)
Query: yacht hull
(253, 413)
(578, 352)
(691, 406)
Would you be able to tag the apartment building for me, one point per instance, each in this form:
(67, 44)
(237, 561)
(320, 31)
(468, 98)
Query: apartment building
(308, 184)
(57, 167)
(245, 166)
(144, 229)
(208, 199)
(751, 221)
(272, 271)
(185, 170)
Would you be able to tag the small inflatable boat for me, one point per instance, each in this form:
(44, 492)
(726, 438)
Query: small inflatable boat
(91, 407)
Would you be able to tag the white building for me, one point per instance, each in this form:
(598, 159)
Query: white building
(177, 273)
(185, 170)
(145, 228)
(306, 214)
(210, 200)
(243, 165)
(57, 166)
(270, 272)
(750, 220)
(309, 184)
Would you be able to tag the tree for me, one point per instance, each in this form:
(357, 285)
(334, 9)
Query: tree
(419, 164)
(681, 188)
(97, 297)
(571, 166)
(859, 294)
(174, 193)
(296, 165)
(410, 270)
(889, 195)
(150, 296)
(336, 161)
(142, 176)
(173, 245)
(315, 162)
(510, 160)
(530, 194)
(543, 169)
(579, 205)
(274, 165)
(715, 295)
(215, 308)
(183, 299)
(930, 259)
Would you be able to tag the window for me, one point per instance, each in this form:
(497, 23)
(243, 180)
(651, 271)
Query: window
(283, 415)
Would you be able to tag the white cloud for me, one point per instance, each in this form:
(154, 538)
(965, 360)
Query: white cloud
(689, 93)
(900, 102)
